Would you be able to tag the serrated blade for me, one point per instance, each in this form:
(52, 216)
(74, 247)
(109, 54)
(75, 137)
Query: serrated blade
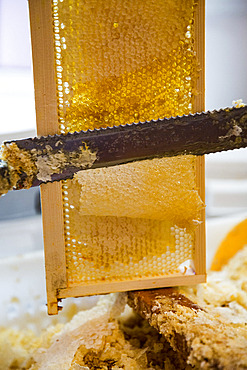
(58, 157)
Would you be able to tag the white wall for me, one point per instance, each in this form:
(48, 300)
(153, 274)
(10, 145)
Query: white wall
(14, 34)
(226, 52)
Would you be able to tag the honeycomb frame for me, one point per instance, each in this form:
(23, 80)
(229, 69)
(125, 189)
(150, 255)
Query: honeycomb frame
(45, 80)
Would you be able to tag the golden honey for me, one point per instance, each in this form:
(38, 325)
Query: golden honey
(118, 62)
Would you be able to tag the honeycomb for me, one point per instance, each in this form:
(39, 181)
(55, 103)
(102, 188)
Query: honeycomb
(117, 62)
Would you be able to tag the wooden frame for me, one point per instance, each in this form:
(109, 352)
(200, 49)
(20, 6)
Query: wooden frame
(51, 194)
(199, 106)
(47, 123)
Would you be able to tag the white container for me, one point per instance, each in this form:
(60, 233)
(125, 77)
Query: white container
(22, 282)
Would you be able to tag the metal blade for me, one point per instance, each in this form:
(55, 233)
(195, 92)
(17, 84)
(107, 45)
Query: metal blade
(58, 157)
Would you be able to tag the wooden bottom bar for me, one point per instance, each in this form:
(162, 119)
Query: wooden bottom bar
(123, 286)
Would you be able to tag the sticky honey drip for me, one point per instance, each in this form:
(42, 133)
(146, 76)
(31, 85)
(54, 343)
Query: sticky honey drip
(118, 62)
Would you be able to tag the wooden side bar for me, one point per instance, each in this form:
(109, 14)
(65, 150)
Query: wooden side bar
(47, 123)
(199, 106)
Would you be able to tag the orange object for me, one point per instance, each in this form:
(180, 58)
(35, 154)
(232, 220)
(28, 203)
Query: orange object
(235, 240)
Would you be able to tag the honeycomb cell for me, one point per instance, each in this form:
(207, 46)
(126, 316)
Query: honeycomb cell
(118, 62)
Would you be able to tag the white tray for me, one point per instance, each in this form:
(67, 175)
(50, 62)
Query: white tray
(22, 283)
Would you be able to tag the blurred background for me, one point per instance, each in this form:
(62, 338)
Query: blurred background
(226, 80)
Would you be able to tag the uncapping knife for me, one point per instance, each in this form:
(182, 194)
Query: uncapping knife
(33, 161)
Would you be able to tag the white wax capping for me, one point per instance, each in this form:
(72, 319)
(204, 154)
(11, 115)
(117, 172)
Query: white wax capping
(155, 189)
